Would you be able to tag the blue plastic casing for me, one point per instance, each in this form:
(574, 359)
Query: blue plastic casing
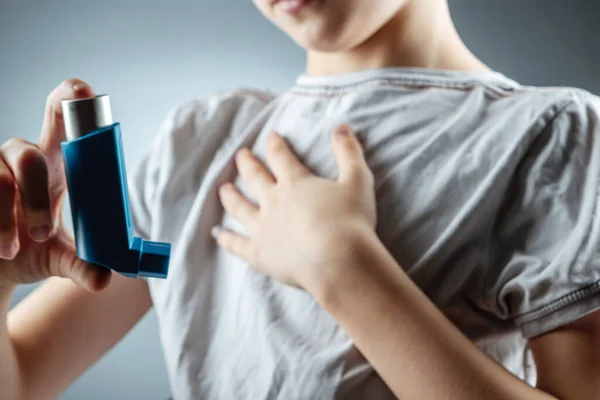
(98, 194)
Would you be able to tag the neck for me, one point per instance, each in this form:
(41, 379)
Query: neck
(420, 35)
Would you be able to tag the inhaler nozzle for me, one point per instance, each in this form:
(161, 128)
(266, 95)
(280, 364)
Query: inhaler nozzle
(84, 116)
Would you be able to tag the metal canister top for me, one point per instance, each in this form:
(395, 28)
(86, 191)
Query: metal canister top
(84, 116)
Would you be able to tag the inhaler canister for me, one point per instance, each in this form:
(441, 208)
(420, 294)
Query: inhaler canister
(98, 194)
(84, 116)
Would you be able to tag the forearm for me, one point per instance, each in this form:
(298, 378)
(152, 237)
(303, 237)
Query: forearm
(59, 330)
(10, 377)
(414, 348)
(53, 335)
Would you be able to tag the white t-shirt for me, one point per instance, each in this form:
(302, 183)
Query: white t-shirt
(487, 196)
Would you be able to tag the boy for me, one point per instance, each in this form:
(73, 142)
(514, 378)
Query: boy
(482, 191)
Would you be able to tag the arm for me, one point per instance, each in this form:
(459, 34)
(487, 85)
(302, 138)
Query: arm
(319, 235)
(51, 337)
(414, 348)
(60, 330)
(568, 359)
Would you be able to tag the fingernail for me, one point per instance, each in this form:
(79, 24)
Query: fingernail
(39, 232)
(215, 231)
(8, 250)
(77, 86)
(343, 131)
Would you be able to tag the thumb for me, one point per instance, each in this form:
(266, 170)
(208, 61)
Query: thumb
(63, 262)
(350, 157)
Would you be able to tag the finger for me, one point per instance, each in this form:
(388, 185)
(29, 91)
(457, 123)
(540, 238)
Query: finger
(91, 277)
(253, 173)
(53, 130)
(28, 167)
(238, 206)
(8, 214)
(63, 262)
(350, 157)
(232, 243)
(282, 161)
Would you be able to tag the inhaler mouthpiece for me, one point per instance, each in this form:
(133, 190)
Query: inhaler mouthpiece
(84, 116)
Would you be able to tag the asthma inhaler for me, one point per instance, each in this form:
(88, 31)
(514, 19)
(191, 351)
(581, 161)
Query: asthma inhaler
(98, 194)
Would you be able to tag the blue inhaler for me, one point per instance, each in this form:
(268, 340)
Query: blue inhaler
(98, 194)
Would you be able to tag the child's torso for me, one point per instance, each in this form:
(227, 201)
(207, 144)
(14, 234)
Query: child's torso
(443, 153)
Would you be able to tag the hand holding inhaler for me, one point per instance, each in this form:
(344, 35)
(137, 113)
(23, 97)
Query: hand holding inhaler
(34, 179)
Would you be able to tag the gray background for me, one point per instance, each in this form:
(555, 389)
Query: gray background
(151, 55)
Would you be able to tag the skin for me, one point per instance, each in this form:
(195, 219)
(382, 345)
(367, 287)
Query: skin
(342, 36)
(61, 329)
(67, 324)
(408, 341)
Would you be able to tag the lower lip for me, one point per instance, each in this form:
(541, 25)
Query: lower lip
(291, 6)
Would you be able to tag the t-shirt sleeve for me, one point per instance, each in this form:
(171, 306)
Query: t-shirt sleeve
(182, 151)
(140, 187)
(142, 182)
(548, 231)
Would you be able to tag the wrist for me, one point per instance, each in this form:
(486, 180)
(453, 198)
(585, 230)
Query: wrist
(354, 258)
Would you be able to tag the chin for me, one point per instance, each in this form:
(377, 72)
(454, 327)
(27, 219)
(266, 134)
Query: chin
(327, 39)
(322, 45)
(330, 25)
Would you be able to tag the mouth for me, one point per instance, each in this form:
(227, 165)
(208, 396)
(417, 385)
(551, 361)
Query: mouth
(290, 6)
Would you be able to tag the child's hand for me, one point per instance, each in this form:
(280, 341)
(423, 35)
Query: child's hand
(34, 244)
(303, 225)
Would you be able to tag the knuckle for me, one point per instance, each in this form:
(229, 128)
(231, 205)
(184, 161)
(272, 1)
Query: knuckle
(7, 184)
(245, 161)
(227, 242)
(349, 145)
(236, 207)
(256, 170)
(60, 264)
(224, 194)
(369, 177)
(229, 195)
(253, 254)
(270, 200)
(30, 157)
(356, 177)
(227, 203)
(54, 95)
(252, 167)
(276, 146)
(13, 143)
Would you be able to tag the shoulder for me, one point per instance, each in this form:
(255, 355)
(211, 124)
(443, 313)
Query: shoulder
(546, 227)
(200, 124)
(532, 121)
(552, 108)
(562, 141)
(580, 112)
(570, 127)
